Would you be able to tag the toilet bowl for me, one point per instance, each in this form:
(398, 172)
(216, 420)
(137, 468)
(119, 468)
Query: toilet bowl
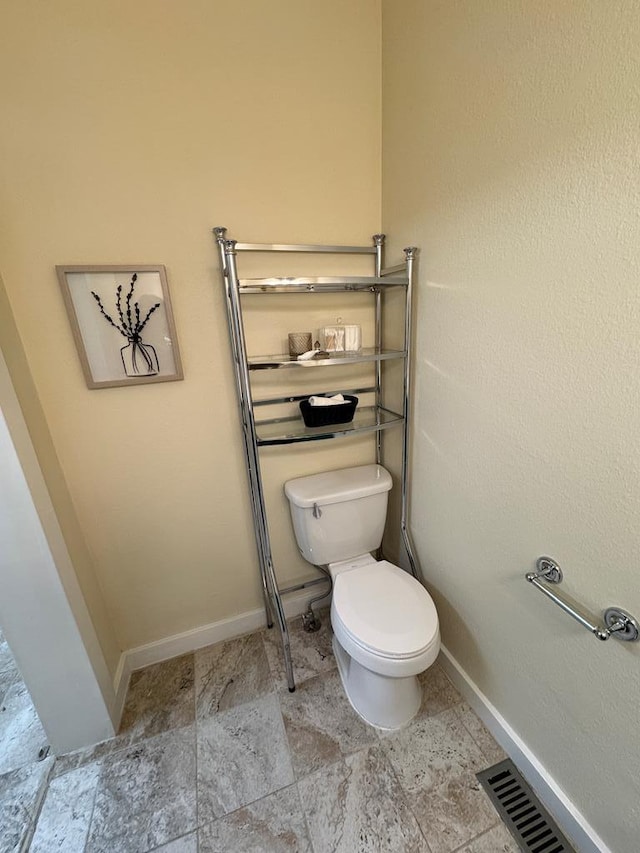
(384, 621)
(386, 633)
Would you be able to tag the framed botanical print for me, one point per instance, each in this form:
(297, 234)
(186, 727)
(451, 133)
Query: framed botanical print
(122, 323)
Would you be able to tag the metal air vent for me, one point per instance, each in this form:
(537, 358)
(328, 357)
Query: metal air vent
(522, 812)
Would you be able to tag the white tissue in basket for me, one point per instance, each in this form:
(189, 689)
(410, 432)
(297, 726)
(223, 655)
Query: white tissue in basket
(327, 401)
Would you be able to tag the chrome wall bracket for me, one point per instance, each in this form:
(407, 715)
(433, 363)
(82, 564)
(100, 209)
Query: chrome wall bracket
(621, 624)
(617, 622)
(549, 570)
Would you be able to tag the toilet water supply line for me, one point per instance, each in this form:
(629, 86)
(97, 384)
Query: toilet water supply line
(310, 622)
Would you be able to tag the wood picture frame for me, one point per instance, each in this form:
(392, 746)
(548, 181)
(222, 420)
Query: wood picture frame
(122, 323)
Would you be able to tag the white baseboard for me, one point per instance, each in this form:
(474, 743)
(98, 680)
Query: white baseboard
(120, 686)
(197, 638)
(569, 819)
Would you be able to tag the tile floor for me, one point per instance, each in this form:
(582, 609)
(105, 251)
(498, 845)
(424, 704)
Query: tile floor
(23, 776)
(215, 755)
(21, 734)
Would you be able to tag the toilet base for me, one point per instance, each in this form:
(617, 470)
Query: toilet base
(381, 701)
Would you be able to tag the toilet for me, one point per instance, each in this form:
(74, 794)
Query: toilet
(385, 624)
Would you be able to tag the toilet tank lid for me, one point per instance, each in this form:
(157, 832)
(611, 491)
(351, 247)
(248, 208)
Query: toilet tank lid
(330, 487)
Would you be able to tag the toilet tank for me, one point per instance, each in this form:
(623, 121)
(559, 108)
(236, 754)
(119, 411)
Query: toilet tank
(339, 514)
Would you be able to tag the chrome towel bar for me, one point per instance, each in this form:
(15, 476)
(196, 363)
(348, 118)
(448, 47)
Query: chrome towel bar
(617, 622)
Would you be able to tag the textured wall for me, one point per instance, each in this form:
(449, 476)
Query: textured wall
(129, 131)
(511, 151)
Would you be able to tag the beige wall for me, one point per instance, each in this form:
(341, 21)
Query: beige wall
(129, 130)
(511, 158)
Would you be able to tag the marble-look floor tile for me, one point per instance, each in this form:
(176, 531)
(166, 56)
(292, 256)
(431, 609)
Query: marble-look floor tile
(435, 759)
(8, 679)
(242, 757)
(21, 792)
(438, 693)
(497, 840)
(146, 795)
(311, 652)
(454, 812)
(7, 661)
(321, 725)
(160, 698)
(186, 844)
(64, 820)
(230, 674)
(88, 755)
(357, 806)
(21, 733)
(275, 824)
(9, 673)
(491, 750)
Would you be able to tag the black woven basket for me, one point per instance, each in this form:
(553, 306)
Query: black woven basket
(318, 416)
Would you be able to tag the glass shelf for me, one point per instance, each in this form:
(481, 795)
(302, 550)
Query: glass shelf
(273, 362)
(293, 430)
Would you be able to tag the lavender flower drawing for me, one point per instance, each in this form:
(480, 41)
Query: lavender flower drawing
(138, 358)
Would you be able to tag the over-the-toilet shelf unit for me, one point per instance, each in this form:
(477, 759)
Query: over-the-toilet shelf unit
(262, 433)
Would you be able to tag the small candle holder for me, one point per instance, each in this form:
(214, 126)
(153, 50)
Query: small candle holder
(299, 343)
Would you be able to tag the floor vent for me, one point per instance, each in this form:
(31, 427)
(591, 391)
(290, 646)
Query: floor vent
(522, 812)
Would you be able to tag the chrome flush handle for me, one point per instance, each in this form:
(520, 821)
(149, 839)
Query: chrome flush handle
(317, 512)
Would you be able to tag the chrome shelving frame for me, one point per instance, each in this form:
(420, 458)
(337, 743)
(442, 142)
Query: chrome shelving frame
(281, 431)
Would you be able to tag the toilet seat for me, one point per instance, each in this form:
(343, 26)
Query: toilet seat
(385, 612)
